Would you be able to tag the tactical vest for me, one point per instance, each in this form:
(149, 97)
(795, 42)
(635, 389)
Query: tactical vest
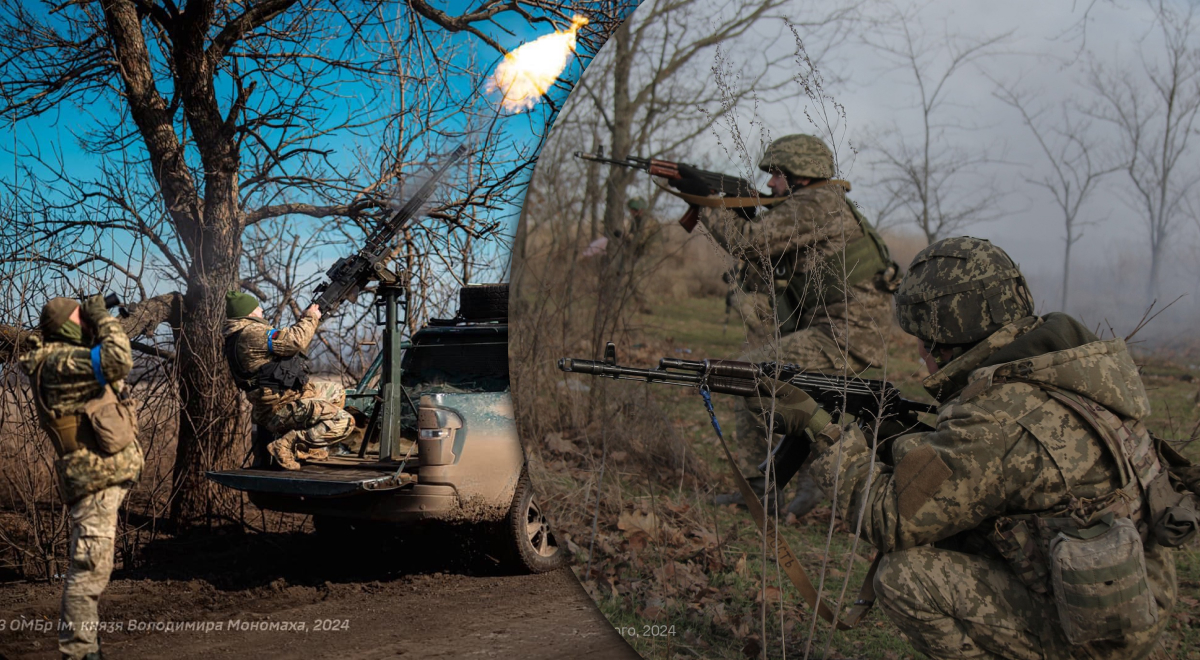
(800, 289)
(1089, 554)
(82, 473)
(277, 375)
(69, 432)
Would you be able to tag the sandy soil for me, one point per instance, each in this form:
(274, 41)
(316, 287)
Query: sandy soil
(412, 597)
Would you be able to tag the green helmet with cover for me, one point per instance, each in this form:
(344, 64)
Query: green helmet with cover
(960, 290)
(799, 155)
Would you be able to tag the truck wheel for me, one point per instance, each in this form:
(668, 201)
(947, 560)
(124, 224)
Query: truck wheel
(532, 547)
(483, 301)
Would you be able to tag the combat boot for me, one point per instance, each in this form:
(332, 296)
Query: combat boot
(808, 498)
(281, 451)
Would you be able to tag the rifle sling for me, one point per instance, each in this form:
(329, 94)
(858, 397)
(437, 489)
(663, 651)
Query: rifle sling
(787, 558)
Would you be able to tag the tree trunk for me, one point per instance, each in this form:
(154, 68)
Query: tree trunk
(591, 192)
(615, 267)
(211, 423)
(621, 134)
(1066, 272)
(210, 418)
(1152, 284)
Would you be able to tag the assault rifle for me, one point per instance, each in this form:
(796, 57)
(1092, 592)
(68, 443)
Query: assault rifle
(870, 402)
(349, 275)
(685, 178)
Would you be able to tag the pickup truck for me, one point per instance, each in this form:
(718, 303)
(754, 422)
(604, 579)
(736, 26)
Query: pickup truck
(439, 442)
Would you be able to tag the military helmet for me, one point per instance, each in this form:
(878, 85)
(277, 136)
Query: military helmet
(959, 291)
(799, 156)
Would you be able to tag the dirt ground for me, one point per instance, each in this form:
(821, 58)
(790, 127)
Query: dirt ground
(413, 597)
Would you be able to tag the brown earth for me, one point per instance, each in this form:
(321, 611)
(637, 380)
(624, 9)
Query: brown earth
(418, 596)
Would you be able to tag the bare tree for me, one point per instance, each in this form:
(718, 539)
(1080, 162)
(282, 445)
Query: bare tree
(1071, 151)
(1154, 110)
(215, 118)
(923, 174)
(654, 100)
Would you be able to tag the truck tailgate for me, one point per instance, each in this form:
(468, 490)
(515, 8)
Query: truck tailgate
(314, 480)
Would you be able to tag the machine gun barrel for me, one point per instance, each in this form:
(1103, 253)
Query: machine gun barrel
(348, 275)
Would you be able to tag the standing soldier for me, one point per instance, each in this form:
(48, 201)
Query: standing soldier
(813, 269)
(1031, 521)
(75, 383)
(269, 366)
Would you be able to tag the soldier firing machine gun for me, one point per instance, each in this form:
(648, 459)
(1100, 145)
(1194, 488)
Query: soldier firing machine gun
(691, 181)
(870, 402)
(350, 275)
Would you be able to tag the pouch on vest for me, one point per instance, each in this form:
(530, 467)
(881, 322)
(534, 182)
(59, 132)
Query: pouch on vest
(114, 421)
(1100, 585)
(283, 375)
(1018, 543)
(1174, 498)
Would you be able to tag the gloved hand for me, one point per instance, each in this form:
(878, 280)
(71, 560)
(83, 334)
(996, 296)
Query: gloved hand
(93, 309)
(794, 410)
(690, 182)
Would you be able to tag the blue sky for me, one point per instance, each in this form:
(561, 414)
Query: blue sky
(58, 132)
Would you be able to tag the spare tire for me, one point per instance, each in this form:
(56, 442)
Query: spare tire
(483, 301)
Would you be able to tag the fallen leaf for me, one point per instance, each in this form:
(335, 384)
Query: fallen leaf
(637, 539)
(632, 521)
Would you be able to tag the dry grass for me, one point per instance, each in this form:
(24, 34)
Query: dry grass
(628, 471)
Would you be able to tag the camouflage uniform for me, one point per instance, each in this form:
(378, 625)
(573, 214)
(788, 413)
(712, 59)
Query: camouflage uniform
(1007, 446)
(806, 238)
(306, 419)
(93, 484)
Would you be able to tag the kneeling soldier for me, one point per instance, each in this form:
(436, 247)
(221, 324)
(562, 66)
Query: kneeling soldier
(76, 384)
(268, 364)
(1033, 521)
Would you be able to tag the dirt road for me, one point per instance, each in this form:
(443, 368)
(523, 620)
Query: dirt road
(287, 595)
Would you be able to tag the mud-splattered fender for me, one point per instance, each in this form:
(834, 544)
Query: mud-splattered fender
(487, 455)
